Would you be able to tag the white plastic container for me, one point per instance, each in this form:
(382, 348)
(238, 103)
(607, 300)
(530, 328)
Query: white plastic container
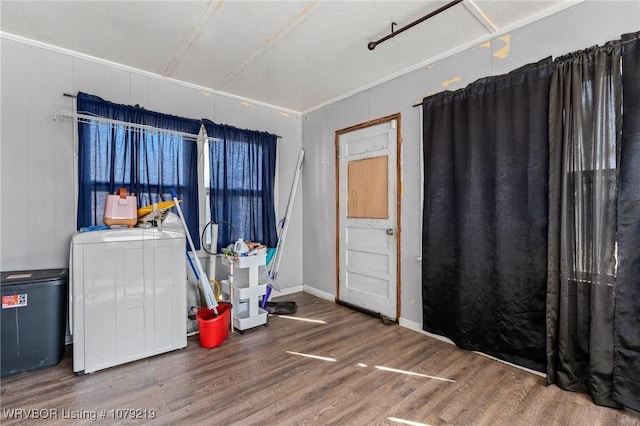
(240, 247)
(128, 289)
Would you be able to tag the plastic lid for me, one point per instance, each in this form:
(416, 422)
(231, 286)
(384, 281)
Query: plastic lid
(38, 275)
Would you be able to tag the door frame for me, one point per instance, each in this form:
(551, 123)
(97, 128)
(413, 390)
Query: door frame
(398, 227)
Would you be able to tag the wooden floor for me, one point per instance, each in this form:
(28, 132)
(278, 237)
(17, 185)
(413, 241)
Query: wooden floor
(365, 373)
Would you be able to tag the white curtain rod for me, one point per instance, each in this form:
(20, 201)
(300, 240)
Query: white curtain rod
(86, 118)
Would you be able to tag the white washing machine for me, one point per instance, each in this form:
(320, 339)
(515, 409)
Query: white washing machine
(128, 295)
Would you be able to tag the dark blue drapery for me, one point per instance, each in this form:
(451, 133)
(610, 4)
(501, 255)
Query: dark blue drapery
(147, 163)
(242, 172)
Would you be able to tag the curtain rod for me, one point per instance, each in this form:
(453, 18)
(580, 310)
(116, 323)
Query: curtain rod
(372, 44)
(85, 118)
(139, 126)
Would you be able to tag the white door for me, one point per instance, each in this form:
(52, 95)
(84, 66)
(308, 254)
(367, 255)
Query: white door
(367, 214)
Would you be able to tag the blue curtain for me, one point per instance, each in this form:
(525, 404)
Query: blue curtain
(242, 172)
(147, 163)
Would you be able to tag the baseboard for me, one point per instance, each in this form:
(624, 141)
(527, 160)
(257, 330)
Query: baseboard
(287, 290)
(415, 326)
(319, 293)
(412, 325)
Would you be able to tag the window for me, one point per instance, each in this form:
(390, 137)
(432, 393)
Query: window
(590, 159)
(593, 196)
(239, 175)
(148, 158)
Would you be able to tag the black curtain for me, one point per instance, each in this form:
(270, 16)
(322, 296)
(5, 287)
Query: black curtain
(485, 215)
(585, 101)
(626, 368)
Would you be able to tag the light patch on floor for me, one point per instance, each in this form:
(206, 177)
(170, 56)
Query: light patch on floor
(411, 373)
(406, 422)
(321, 358)
(303, 319)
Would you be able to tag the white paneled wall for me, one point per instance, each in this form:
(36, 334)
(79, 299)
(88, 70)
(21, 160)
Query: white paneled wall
(38, 155)
(575, 28)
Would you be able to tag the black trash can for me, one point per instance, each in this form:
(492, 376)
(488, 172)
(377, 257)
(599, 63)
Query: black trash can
(34, 314)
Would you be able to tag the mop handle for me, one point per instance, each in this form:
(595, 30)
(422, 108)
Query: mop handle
(272, 268)
(193, 268)
(275, 262)
(184, 223)
(209, 297)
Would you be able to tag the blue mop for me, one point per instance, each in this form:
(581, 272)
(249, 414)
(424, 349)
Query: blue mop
(198, 271)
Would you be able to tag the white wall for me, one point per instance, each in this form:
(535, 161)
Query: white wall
(38, 157)
(578, 27)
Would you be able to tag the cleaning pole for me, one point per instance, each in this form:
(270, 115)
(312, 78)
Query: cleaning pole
(201, 275)
(284, 226)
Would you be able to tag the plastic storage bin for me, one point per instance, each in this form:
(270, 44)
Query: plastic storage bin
(34, 313)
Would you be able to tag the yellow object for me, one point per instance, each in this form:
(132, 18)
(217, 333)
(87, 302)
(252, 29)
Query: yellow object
(218, 290)
(163, 205)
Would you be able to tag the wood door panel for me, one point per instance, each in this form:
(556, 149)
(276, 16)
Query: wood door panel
(367, 188)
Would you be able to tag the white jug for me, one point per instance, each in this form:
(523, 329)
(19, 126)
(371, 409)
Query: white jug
(240, 247)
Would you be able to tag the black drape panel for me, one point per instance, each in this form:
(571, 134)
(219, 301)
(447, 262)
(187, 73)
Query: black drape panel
(584, 133)
(485, 215)
(626, 379)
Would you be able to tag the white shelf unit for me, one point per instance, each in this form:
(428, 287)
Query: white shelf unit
(245, 299)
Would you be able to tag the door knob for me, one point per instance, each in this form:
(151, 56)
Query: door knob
(390, 231)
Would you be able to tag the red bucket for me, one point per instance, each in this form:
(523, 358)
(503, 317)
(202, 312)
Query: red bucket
(214, 329)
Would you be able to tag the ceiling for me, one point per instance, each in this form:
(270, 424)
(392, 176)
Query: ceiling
(296, 55)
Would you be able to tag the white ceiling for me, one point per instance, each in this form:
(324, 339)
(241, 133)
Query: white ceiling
(296, 55)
